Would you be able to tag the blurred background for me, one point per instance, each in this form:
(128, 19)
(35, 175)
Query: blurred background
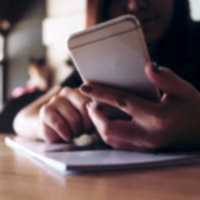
(40, 28)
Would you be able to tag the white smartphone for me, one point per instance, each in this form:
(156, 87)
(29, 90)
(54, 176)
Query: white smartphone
(114, 53)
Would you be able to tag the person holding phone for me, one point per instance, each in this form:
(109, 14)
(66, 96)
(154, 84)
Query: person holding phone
(173, 122)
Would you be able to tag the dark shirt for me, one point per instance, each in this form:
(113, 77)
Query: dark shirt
(179, 48)
(74, 80)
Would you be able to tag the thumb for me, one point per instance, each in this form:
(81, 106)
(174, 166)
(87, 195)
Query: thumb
(167, 81)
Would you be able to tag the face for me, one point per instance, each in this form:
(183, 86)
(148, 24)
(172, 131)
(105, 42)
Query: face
(154, 15)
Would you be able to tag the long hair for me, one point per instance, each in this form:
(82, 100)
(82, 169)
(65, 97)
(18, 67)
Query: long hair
(176, 49)
(176, 37)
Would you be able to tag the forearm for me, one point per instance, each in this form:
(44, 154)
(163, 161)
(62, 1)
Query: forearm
(26, 122)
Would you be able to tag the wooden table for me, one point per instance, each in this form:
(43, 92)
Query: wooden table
(23, 179)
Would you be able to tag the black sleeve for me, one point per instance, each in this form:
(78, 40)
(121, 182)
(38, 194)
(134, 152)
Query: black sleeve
(74, 80)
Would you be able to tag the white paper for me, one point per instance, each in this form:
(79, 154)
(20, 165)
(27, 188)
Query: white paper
(90, 160)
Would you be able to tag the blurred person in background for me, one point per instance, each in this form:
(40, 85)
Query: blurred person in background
(40, 78)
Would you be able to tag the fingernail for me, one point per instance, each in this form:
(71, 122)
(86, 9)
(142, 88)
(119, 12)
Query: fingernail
(156, 67)
(86, 88)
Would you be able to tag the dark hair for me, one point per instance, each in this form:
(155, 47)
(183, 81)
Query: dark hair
(171, 50)
(179, 48)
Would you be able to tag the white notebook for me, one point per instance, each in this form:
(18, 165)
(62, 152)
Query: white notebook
(58, 156)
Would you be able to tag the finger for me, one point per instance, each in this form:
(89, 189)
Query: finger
(128, 103)
(167, 81)
(119, 134)
(99, 119)
(119, 143)
(129, 135)
(69, 113)
(79, 101)
(49, 135)
(52, 119)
